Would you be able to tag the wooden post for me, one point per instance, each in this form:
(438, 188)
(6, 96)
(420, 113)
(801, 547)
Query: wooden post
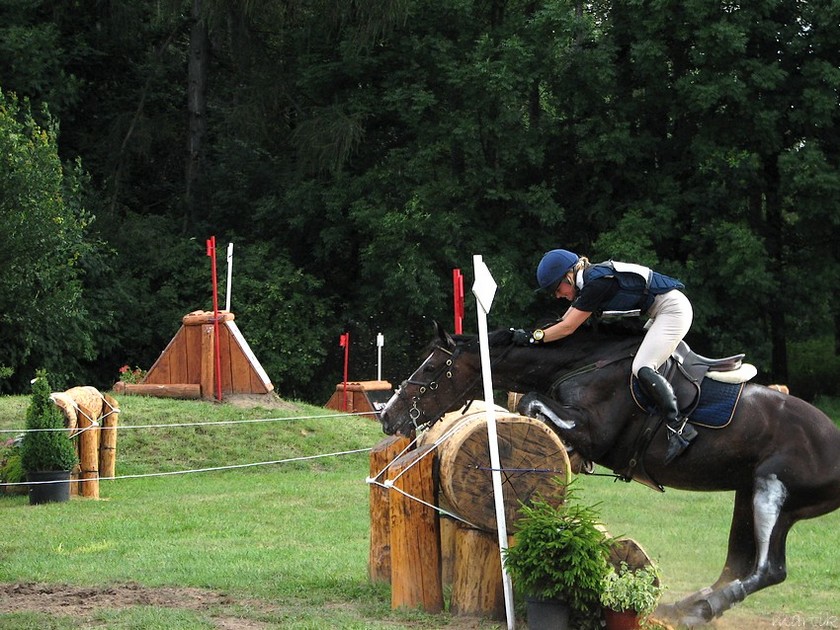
(208, 362)
(415, 534)
(89, 454)
(379, 559)
(448, 527)
(477, 587)
(108, 438)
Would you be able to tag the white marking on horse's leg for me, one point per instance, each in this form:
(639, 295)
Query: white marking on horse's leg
(770, 495)
(538, 407)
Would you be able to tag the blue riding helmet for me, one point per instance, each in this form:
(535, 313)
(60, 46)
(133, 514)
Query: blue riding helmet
(553, 267)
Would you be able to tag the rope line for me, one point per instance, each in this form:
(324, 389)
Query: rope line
(194, 470)
(436, 508)
(197, 424)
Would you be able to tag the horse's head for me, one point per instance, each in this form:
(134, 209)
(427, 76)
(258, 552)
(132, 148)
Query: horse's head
(446, 378)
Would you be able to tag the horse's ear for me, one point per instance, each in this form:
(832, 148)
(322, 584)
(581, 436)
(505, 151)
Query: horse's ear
(444, 336)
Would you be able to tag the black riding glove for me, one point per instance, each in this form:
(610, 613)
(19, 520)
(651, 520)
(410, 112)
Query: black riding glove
(522, 337)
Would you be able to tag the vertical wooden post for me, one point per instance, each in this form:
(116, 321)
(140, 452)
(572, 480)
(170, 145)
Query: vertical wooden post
(208, 361)
(379, 560)
(415, 534)
(89, 454)
(477, 587)
(448, 527)
(108, 438)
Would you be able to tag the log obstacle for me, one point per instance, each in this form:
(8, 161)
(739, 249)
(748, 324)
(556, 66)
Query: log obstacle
(415, 534)
(449, 469)
(92, 419)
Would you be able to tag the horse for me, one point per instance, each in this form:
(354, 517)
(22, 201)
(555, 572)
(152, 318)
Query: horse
(779, 454)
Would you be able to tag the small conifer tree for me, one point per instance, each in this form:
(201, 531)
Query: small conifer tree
(45, 450)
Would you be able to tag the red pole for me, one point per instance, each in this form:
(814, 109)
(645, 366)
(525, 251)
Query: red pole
(458, 292)
(344, 342)
(211, 251)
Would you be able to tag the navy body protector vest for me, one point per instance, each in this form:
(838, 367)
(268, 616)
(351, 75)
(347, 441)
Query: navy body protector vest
(638, 285)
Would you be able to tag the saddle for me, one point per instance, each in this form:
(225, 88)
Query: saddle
(707, 393)
(706, 389)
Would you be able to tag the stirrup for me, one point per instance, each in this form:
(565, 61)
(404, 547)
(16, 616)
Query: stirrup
(690, 433)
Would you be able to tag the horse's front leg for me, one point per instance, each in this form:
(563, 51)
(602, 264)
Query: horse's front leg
(570, 423)
(770, 529)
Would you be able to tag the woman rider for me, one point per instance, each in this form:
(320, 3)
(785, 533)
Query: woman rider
(616, 286)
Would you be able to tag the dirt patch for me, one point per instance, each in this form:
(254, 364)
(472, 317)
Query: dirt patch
(267, 401)
(81, 602)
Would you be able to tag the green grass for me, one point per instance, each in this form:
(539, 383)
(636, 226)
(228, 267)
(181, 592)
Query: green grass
(286, 545)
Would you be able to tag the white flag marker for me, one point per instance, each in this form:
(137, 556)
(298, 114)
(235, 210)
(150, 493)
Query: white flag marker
(484, 290)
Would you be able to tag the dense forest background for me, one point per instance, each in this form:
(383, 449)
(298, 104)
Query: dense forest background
(355, 152)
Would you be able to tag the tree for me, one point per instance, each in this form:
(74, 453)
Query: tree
(42, 239)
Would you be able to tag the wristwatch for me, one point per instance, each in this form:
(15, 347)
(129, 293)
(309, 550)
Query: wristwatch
(538, 335)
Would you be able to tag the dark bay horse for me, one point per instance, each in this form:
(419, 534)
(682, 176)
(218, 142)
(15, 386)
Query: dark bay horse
(779, 454)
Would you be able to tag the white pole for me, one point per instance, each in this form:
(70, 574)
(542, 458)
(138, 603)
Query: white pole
(380, 341)
(229, 275)
(484, 289)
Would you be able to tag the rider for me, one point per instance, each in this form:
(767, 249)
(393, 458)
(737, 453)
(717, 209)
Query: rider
(616, 286)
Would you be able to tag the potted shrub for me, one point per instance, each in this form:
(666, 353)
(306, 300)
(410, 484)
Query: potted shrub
(11, 470)
(629, 596)
(558, 560)
(46, 453)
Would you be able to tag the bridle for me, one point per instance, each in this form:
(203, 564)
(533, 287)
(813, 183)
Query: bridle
(415, 413)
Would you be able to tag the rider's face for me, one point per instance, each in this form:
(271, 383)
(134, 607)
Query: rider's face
(566, 288)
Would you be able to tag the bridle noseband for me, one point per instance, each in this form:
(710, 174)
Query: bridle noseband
(415, 412)
(445, 370)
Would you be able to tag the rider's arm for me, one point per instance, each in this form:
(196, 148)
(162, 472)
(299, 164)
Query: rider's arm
(566, 326)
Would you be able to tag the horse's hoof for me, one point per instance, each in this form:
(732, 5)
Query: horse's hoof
(687, 613)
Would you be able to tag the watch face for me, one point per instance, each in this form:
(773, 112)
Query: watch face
(538, 335)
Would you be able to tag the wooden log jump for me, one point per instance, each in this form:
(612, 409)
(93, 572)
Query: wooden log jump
(415, 534)
(85, 411)
(463, 554)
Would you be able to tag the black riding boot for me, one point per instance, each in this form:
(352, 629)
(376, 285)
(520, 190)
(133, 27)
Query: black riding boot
(680, 432)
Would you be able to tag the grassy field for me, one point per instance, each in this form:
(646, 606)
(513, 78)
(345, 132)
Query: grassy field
(285, 545)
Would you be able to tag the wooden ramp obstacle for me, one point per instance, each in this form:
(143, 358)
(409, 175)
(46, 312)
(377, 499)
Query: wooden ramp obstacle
(362, 397)
(187, 367)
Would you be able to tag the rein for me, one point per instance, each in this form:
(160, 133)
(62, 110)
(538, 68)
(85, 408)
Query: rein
(586, 369)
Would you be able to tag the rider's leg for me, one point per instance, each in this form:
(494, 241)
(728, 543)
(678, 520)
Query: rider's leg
(671, 315)
(680, 433)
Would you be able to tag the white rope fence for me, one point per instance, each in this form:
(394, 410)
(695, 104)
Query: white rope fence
(198, 424)
(167, 425)
(388, 484)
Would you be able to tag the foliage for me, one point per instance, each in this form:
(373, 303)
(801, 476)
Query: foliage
(44, 448)
(559, 552)
(127, 375)
(42, 238)
(361, 154)
(815, 369)
(11, 469)
(638, 590)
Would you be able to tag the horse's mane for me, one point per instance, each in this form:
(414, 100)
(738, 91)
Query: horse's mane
(598, 335)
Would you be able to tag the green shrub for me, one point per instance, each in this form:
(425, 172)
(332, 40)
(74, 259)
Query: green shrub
(45, 450)
(632, 589)
(559, 552)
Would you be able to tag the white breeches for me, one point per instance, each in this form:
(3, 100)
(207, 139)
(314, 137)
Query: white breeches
(671, 315)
